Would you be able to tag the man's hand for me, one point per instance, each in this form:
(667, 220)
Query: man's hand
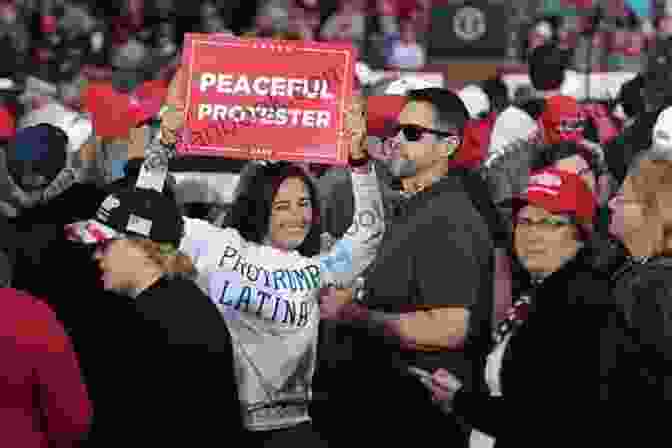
(444, 386)
(333, 302)
(355, 128)
(172, 121)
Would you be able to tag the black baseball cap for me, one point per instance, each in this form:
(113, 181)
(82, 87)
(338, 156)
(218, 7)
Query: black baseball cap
(133, 213)
(658, 75)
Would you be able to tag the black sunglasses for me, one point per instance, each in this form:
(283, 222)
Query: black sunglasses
(413, 132)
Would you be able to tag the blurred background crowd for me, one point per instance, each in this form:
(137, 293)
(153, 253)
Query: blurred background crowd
(56, 38)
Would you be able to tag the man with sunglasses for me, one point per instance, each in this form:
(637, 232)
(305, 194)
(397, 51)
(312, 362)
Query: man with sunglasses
(433, 267)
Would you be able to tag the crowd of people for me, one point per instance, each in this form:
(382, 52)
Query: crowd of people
(405, 297)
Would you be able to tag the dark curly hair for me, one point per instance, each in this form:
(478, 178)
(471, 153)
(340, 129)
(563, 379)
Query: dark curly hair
(251, 210)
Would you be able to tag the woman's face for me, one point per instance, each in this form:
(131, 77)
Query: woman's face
(291, 215)
(121, 261)
(627, 212)
(544, 241)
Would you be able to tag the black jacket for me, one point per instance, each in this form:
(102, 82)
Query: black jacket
(556, 368)
(175, 376)
(643, 288)
(623, 149)
(42, 261)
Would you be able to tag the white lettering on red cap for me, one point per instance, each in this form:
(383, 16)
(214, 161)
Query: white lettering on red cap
(551, 191)
(546, 180)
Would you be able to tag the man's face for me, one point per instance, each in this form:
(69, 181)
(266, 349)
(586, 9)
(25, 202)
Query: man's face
(417, 147)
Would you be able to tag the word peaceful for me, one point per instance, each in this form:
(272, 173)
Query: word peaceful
(273, 86)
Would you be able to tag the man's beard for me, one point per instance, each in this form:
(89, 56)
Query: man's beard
(402, 168)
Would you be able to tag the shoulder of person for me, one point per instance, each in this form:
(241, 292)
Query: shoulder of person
(658, 269)
(23, 308)
(454, 204)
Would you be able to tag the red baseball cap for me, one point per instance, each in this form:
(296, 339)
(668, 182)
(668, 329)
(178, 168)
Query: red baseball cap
(559, 112)
(559, 191)
(7, 124)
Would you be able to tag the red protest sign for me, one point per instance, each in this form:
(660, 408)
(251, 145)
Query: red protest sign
(269, 99)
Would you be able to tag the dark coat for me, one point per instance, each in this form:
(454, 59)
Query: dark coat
(556, 367)
(174, 373)
(643, 289)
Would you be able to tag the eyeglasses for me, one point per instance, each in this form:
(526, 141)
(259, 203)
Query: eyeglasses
(550, 223)
(413, 132)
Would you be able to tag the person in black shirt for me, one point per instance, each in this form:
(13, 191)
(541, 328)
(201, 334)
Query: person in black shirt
(435, 263)
(176, 381)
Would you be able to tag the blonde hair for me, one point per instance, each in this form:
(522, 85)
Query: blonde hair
(172, 262)
(651, 181)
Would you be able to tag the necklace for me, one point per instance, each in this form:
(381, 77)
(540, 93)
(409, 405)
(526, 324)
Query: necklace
(515, 317)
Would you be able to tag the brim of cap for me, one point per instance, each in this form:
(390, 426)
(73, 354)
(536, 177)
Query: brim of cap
(90, 232)
(541, 200)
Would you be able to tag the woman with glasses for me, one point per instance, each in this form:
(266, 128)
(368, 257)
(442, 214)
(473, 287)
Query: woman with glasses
(642, 218)
(545, 379)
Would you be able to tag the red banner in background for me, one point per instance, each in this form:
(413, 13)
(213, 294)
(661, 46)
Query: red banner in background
(268, 99)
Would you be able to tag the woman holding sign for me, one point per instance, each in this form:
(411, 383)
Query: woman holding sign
(265, 272)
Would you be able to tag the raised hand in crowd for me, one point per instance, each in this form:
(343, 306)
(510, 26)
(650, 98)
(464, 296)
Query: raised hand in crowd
(444, 385)
(172, 116)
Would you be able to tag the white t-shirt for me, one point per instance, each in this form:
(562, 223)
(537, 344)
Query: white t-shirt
(269, 299)
(512, 125)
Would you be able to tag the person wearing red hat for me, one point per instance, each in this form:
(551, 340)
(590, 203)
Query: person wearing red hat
(7, 124)
(561, 120)
(554, 348)
(561, 125)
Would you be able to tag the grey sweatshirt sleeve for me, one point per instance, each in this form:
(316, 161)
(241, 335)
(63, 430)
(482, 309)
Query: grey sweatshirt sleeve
(352, 254)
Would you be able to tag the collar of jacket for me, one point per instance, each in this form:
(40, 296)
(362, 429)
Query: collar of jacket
(404, 202)
(633, 262)
(581, 261)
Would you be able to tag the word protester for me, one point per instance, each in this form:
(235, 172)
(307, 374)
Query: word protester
(249, 114)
